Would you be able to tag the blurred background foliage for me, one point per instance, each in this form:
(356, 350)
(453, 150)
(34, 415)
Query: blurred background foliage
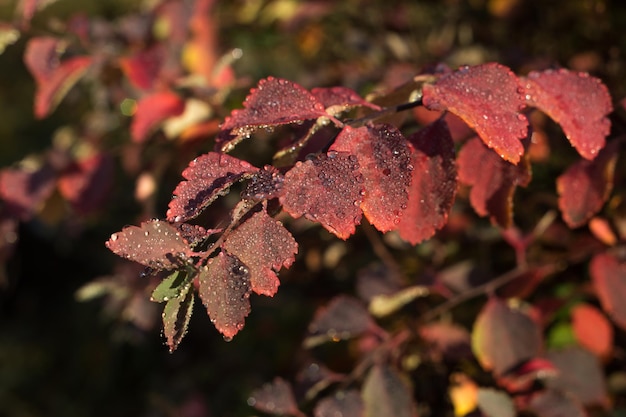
(64, 351)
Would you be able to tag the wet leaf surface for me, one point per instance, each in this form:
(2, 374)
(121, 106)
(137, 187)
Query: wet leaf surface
(488, 98)
(176, 317)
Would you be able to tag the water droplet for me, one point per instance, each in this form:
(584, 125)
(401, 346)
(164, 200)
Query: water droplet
(114, 237)
(332, 154)
(146, 233)
(228, 338)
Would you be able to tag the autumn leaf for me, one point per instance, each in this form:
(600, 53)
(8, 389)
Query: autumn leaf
(577, 101)
(152, 110)
(264, 246)
(488, 98)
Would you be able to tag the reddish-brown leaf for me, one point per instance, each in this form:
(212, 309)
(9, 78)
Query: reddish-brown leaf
(273, 102)
(580, 374)
(54, 77)
(488, 98)
(207, 177)
(493, 181)
(385, 162)
(142, 68)
(224, 288)
(449, 340)
(385, 393)
(433, 186)
(176, 316)
(264, 246)
(155, 243)
(275, 398)
(328, 190)
(586, 185)
(86, 182)
(608, 275)
(24, 192)
(504, 337)
(344, 317)
(592, 329)
(152, 110)
(577, 101)
(339, 99)
(343, 403)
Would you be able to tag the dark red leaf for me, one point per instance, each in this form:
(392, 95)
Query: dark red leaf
(592, 329)
(504, 337)
(155, 244)
(339, 99)
(433, 186)
(328, 190)
(577, 101)
(266, 184)
(275, 398)
(274, 102)
(523, 377)
(176, 316)
(152, 110)
(385, 393)
(580, 374)
(53, 76)
(385, 162)
(208, 177)
(24, 192)
(225, 291)
(493, 181)
(343, 403)
(488, 98)
(553, 403)
(194, 233)
(343, 318)
(142, 69)
(608, 275)
(264, 246)
(586, 185)
(86, 182)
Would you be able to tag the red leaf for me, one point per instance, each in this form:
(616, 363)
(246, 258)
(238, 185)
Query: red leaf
(264, 246)
(54, 77)
(85, 183)
(176, 316)
(504, 337)
(385, 393)
(344, 404)
(24, 192)
(339, 99)
(586, 185)
(208, 177)
(608, 275)
(274, 102)
(275, 398)
(592, 329)
(385, 163)
(152, 110)
(580, 374)
(327, 190)
(143, 68)
(577, 101)
(225, 291)
(488, 98)
(433, 186)
(493, 181)
(155, 243)
(344, 317)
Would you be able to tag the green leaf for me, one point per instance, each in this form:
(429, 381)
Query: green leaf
(176, 316)
(171, 287)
